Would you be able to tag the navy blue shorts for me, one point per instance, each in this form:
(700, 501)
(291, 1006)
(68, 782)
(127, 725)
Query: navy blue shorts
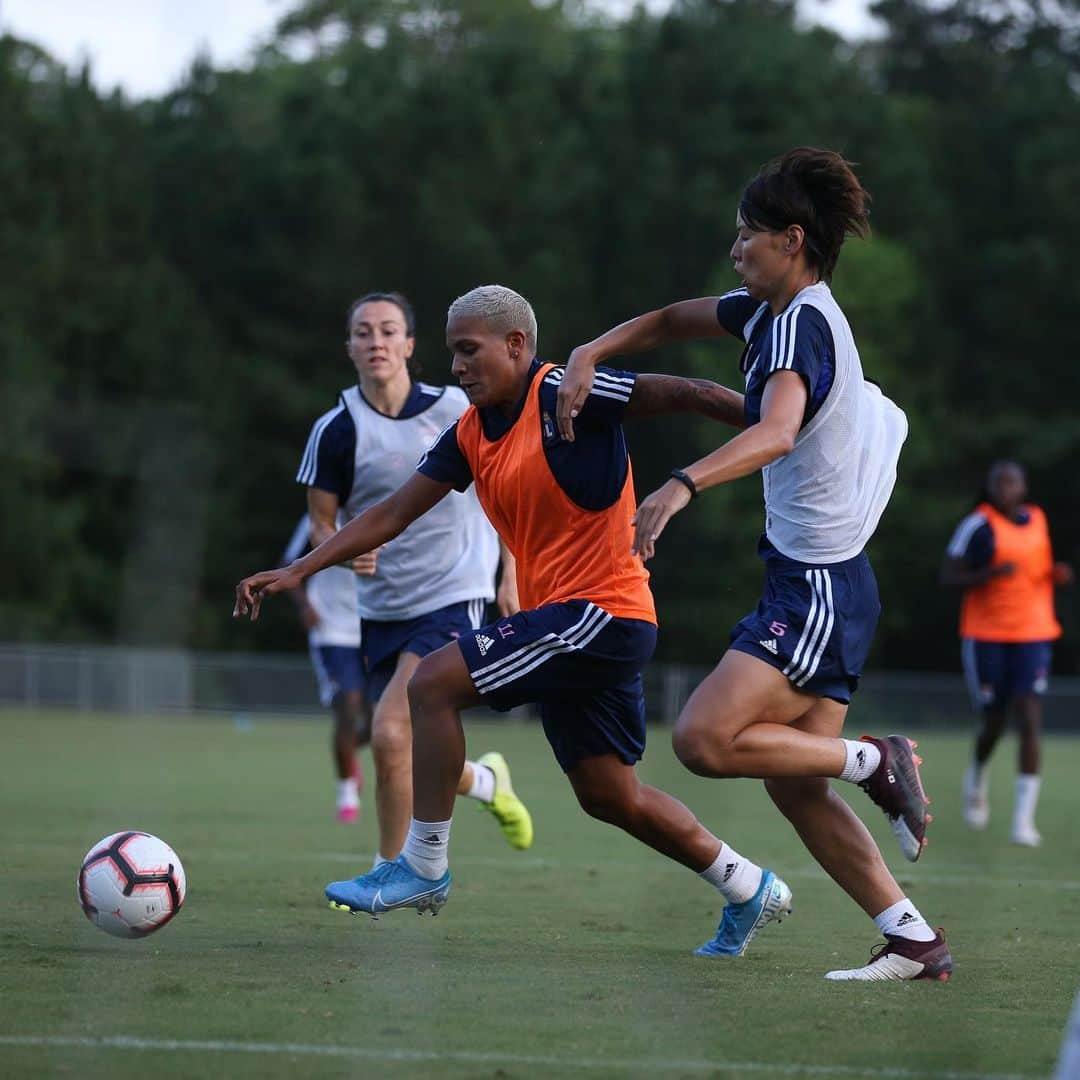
(813, 623)
(383, 642)
(580, 664)
(997, 672)
(338, 669)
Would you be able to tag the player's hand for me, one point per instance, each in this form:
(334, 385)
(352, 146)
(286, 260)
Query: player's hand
(573, 390)
(506, 597)
(653, 515)
(251, 592)
(364, 565)
(1064, 574)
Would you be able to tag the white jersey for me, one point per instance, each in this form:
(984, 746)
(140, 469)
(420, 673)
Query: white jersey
(332, 594)
(823, 500)
(447, 556)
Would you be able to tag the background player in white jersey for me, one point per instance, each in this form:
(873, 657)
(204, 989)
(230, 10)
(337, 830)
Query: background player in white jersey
(326, 606)
(433, 581)
(827, 442)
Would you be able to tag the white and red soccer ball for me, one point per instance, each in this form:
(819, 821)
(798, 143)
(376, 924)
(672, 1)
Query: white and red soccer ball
(131, 884)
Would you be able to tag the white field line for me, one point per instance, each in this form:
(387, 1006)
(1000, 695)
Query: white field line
(468, 1057)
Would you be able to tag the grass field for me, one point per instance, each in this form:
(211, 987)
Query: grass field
(572, 959)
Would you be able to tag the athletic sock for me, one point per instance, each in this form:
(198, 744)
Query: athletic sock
(975, 779)
(483, 783)
(733, 875)
(862, 758)
(347, 793)
(1027, 796)
(904, 920)
(426, 847)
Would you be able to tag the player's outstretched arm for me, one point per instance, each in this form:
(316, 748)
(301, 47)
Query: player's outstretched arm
(375, 526)
(654, 395)
(687, 320)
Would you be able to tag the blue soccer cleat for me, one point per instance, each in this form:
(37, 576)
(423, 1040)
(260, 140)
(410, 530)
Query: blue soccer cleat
(391, 885)
(741, 923)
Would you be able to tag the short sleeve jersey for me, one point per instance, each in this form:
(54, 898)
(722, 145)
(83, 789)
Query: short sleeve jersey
(591, 470)
(973, 540)
(363, 456)
(800, 340)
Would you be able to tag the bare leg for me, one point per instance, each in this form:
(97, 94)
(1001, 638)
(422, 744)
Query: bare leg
(349, 711)
(993, 724)
(1029, 712)
(439, 689)
(830, 829)
(391, 751)
(741, 722)
(610, 791)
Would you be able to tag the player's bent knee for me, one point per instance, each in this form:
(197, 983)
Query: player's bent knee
(391, 742)
(605, 806)
(704, 754)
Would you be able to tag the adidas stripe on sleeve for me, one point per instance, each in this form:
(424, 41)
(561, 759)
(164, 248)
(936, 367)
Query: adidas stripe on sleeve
(973, 541)
(608, 398)
(737, 312)
(330, 454)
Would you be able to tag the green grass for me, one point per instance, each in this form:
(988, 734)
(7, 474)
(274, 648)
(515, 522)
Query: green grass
(570, 959)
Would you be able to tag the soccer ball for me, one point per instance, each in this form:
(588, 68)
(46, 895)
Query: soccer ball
(131, 884)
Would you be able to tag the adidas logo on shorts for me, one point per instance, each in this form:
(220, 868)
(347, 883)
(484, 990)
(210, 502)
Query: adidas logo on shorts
(770, 645)
(483, 643)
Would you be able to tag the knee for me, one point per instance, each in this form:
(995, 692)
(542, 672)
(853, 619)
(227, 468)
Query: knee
(611, 807)
(424, 685)
(391, 738)
(703, 753)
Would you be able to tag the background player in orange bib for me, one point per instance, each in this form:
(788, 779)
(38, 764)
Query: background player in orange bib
(1000, 555)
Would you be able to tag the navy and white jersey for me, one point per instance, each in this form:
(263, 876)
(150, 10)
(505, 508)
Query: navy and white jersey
(973, 540)
(591, 470)
(823, 500)
(362, 456)
(331, 592)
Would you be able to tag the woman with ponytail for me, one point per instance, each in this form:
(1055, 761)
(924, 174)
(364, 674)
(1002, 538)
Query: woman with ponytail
(827, 442)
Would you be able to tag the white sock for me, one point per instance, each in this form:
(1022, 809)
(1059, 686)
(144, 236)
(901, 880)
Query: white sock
(733, 875)
(904, 920)
(862, 759)
(975, 779)
(379, 860)
(347, 793)
(426, 846)
(483, 783)
(1027, 796)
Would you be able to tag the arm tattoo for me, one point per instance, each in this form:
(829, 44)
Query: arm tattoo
(655, 394)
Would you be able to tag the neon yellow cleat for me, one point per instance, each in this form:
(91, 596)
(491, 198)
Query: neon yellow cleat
(507, 809)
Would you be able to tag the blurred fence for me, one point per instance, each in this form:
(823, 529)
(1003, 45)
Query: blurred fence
(121, 679)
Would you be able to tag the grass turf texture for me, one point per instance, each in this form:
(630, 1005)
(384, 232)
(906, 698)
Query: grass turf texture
(570, 959)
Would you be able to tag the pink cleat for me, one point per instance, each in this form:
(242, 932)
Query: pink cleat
(348, 815)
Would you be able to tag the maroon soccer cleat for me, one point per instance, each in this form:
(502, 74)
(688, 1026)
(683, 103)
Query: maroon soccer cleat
(901, 958)
(896, 787)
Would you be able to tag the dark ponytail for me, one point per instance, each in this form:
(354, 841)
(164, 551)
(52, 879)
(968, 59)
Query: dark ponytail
(815, 189)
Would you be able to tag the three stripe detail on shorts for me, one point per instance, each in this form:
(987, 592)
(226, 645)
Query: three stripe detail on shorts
(521, 661)
(816, 631)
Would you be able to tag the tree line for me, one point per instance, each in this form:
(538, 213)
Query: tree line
(174, 274)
